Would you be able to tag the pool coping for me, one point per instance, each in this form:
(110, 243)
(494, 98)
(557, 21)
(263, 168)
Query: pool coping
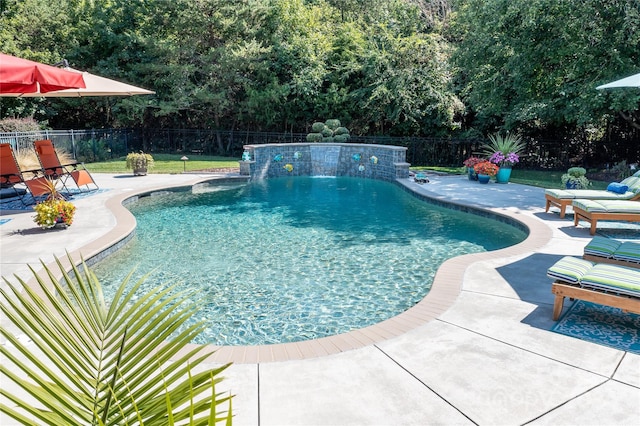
(445, 289)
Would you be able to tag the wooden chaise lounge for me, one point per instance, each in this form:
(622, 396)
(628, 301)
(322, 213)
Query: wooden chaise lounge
(594, 210)
(562, 198)
(609, 250)
(604, 284)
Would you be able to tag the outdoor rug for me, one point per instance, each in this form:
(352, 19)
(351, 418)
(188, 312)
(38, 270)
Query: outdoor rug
(601, 324)
(72, 195)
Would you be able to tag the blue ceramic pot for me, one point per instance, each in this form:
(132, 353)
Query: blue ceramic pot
(483, 178)
(503, 175)
(472, 173)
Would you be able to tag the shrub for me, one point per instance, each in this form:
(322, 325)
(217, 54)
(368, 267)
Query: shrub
(327, 132)
(331, 131)
(575, 178)
(314, 137)
(341, 131)
(139, 160)
(332, 123)
(19, 125)
(317, 127)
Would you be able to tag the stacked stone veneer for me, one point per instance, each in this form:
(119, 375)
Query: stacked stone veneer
(326, 159)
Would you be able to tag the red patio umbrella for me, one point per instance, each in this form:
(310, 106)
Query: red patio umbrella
(23, 76)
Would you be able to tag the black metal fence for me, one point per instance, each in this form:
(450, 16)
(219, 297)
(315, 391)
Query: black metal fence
(103, 144)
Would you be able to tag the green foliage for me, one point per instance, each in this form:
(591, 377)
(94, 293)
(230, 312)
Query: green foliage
(92, 150)
(505, 144)
(317, 127)
(397, 67)
(622, 169)
(575, 177)
(314, 137)
(91, 362)
(577, 171)
(332, 124)
(169, 163)
(139, 160)
(329, 131)
(534, 64)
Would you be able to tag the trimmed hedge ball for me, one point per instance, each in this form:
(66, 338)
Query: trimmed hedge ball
(314, 137)
(332, 123)
(341, 131)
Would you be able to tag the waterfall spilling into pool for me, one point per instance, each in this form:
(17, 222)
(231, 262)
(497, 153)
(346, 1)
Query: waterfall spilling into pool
(383, 162)
(324, 160)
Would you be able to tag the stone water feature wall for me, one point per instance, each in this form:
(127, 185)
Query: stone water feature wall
(384, 162)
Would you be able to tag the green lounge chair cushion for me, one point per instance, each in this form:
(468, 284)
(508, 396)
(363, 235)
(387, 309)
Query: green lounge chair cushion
(593, 194)
(610, 206)
(633, 183)
(570, 269)
(628, 251)
(601, 246)
(618, 279)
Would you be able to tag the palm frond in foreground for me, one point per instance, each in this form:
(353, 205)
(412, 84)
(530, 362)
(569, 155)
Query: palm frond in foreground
(95, 363)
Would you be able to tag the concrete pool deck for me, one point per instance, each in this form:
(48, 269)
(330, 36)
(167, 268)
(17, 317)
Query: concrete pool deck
(481, 354)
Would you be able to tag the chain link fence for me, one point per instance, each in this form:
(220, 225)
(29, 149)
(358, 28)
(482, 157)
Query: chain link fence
(104, 144)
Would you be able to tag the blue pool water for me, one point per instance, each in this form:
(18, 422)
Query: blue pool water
(290, 259)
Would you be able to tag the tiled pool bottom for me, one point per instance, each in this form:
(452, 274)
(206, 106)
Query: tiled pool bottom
(446, 286)
(289, 259)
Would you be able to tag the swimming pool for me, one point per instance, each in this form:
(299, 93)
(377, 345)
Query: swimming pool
(291, 259)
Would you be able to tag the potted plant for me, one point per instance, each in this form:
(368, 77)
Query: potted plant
(504, 151)
(469, 163)
(139, 162)
(485, 170)
(575, 178)
(55, 210)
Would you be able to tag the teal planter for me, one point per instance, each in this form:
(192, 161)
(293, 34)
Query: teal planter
(472, 174)
(503, 175)
(483, 178)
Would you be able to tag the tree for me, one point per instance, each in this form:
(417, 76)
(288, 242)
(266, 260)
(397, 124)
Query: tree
(534, 64)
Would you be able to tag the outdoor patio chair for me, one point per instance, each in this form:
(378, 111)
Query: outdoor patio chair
(601, 283)
(594, 210)
(12, 175)
(609, 250)
(54, 169)
(562, 198)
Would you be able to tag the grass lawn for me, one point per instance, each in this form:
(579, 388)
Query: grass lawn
(541, 178)
(168, 163)
(171, 163)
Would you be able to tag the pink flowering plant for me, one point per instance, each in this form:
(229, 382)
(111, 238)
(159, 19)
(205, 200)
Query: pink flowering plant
(472, 161)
